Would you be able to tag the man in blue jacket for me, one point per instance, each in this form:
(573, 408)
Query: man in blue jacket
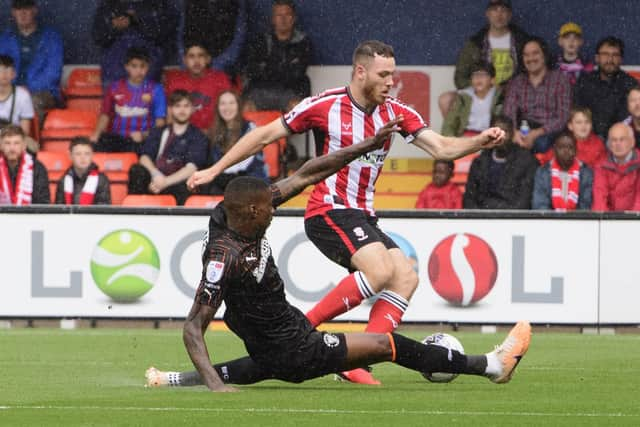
(37, 53)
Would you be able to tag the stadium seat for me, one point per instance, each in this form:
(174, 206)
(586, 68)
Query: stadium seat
(119, 191)
(60, 126)
(53, 186)
(463, 164)
(635, 75)
(60, 146)
(202, 201)
(149, 200)
(115, 165)
(85, 104)
(460, 178)
(84, 83)
(59, 119)
(55, 162)
(273, 152)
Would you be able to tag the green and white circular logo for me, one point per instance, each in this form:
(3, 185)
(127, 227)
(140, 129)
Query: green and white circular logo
(125, 265)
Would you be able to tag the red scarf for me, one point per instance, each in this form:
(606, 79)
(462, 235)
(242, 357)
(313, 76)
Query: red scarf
(88, 190)
(21, 194)
(573, 188)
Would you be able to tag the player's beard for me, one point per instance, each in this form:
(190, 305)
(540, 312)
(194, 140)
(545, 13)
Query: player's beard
(370, 95)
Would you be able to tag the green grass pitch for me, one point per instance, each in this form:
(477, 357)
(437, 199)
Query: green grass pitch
(95, 377)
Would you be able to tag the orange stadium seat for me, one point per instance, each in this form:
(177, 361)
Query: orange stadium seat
(69, 119)
(273, 152)
(61, 126)
(60, 146)
(55, 162)
(84, 83)
(115, 165)
(463, 164)
(149, 200)
(202, 201)
(85, 104)
(53, 186)
(119, 191)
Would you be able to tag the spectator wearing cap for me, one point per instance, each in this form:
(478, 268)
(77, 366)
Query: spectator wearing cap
(538, 100)
(570, 61)
(604, 90)
(499, 43)
(475, 105)
(37, 54)
(616, 182)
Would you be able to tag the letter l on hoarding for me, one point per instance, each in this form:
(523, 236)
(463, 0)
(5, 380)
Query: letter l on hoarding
(38, 289)
(518, 294)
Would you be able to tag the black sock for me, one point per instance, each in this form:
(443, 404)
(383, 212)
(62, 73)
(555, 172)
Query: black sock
(241, 371)
(238, 371)
(434, 358)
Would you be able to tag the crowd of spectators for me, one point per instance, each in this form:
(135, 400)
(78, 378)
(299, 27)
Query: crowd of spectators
(557, 112)
(557, 109)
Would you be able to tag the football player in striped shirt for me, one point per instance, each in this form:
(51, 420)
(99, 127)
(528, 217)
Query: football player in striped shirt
(340, 219)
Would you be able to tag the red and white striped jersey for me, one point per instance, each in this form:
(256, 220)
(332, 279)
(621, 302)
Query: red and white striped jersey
(338, 121)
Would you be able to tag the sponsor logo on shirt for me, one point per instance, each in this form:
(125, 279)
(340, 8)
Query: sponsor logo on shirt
(126, 111)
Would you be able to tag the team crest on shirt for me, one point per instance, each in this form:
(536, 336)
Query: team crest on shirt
(214, 271)
(146, 97)
(331, 340)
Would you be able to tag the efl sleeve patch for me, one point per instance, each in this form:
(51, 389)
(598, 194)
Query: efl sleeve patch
(214, 272)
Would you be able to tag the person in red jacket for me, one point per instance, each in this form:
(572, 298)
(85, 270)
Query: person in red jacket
(590, 149)
(441, 193)
(204, 84)
(616, 183)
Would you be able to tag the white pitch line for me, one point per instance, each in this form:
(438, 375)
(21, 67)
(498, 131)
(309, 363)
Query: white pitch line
(322, 411)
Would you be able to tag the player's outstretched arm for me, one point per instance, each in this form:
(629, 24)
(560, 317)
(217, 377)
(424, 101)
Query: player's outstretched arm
(451, 148)
(193, 335)
(319, 168)
(249, 144)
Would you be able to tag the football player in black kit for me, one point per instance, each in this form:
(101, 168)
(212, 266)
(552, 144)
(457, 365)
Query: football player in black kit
(238, 268)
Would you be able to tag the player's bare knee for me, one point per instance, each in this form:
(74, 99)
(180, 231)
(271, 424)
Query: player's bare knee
(405, 280)
(379, 275)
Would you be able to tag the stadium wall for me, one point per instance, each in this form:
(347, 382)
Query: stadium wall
(474, 267)
(428, 32)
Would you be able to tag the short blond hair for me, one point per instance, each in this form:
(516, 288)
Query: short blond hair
(580, 110)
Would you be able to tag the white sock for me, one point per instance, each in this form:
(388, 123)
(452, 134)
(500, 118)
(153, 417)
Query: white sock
(494, 366)
(173, 379)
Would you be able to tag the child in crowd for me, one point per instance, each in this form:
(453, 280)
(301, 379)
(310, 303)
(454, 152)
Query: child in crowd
(475, 105)
(590, 148)
(565, 183)
(16, 106)
(83, 183)
(570, 62)
(131, 107)
(441, 193)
